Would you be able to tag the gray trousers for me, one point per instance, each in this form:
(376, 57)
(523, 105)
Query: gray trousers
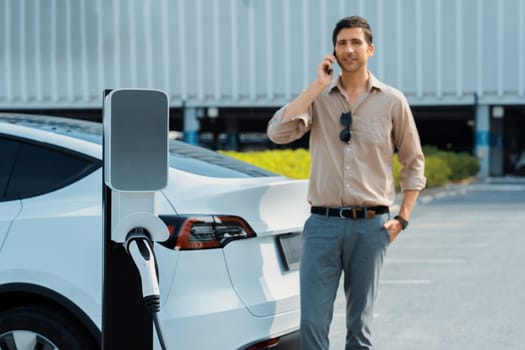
(332, 245)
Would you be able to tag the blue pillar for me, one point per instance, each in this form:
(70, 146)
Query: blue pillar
(191, 126)
(232, 134)
(483, 139)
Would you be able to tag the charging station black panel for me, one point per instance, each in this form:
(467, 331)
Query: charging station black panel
(136, 140)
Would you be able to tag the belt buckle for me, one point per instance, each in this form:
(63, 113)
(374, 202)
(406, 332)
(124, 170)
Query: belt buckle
(353, 210)
(341, 212)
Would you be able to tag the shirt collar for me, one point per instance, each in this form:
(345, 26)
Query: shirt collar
(373, 83)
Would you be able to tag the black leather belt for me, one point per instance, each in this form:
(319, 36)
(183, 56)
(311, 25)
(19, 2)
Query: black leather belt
(351, 212)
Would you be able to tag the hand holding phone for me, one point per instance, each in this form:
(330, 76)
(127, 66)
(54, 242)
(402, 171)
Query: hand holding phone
(329, 61)
(325, 71)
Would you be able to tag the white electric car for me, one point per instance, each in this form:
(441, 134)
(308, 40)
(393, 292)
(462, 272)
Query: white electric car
(228, 273)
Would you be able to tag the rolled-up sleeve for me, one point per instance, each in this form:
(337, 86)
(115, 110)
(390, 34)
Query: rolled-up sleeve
(412, 174)
(285, 131)
(410, 153)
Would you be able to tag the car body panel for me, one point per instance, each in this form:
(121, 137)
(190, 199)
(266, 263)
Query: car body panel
(7, 215)
(55, 242)
(262, 282)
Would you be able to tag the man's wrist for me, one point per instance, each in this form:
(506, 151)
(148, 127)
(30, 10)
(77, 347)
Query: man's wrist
(402, 221)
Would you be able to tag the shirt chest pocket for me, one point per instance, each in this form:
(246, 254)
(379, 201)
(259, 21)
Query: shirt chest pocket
(373, 129)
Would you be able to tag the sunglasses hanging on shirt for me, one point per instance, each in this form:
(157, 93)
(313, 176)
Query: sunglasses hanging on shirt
(346, 120)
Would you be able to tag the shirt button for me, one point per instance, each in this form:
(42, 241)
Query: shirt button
(348, 149)
(347, 167)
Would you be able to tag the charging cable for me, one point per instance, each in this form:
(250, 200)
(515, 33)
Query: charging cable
(139, 247)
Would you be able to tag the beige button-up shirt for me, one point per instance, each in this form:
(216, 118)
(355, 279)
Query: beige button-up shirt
(357, 173)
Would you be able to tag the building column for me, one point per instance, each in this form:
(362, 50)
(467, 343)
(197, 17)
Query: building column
(191, 125)
(232, 134)
(497, 154)
(483, 139)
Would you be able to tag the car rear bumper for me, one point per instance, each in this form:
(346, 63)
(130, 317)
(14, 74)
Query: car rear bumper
(202, 309)
(288, 341)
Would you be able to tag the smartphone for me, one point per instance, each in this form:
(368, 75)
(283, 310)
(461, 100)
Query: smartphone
(329, 69)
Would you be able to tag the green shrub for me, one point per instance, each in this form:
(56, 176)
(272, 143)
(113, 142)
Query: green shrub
(291, 163)
(437, 171)
(431, 151)
(462, 165)
(396, 169)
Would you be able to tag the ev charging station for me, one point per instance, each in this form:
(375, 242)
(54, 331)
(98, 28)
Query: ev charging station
(135, 153)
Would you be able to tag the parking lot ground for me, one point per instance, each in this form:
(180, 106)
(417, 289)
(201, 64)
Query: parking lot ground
(455, 279)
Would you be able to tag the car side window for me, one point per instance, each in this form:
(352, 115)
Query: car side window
(40, 168)
(8, 150)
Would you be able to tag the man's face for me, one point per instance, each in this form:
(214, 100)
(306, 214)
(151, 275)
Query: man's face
(352, 50)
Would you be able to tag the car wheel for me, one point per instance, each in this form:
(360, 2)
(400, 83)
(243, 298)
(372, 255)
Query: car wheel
(41, 327)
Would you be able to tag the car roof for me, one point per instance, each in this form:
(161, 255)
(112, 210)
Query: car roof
(80, 129)
(190, 158)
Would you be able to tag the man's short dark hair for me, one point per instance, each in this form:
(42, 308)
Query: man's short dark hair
(353, 22)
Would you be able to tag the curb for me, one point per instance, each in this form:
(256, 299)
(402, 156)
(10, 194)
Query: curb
(449, 190)
(472, 184)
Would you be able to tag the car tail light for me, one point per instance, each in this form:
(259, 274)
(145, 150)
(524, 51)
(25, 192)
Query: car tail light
(205, 232)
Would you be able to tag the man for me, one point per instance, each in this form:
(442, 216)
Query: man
(355, 124)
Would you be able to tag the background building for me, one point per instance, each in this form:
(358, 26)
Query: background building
(228, 64)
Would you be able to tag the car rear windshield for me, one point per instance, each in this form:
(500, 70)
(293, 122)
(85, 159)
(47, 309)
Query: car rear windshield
(202, 161)
(193, 159)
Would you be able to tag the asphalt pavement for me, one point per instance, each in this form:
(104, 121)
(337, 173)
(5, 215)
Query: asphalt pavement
(455, 279)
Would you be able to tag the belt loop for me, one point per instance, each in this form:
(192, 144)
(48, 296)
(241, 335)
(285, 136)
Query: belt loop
(365, 212)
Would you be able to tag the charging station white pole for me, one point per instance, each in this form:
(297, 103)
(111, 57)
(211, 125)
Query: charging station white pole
(135, 148)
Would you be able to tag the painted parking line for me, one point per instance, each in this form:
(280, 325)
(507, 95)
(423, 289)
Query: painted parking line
(442, 245)
(497, 187)
(438, 225)
(405, 282)
(455, 234)
(424, 261)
